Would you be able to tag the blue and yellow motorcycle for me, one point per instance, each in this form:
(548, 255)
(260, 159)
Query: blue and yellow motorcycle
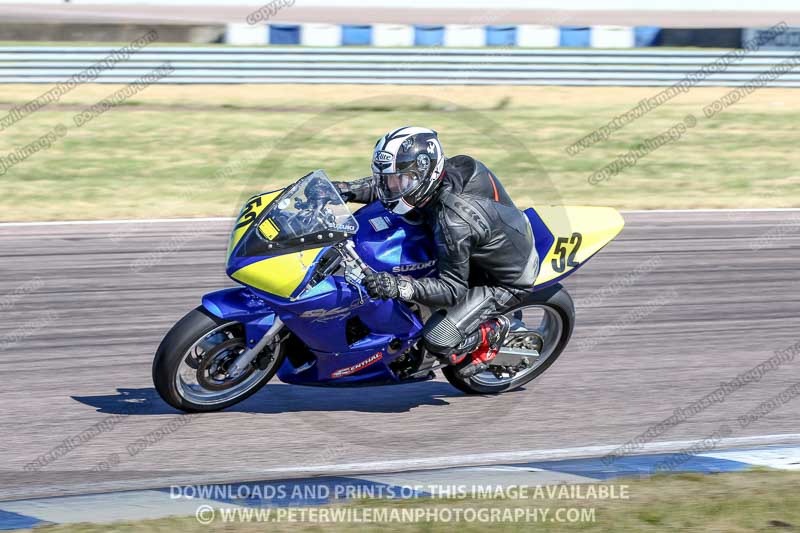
(302, 313)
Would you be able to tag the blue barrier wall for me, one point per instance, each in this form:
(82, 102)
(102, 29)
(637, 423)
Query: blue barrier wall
(356, 35)
(508, 36)
(501, 35)
(575, 36)
(646, 36)
(428, 35)
(284, 34)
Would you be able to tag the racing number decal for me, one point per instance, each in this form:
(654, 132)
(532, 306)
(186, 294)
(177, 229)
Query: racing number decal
(566, 259)
(248, 215)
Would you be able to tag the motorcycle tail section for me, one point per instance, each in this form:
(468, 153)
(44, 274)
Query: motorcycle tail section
(567, 237)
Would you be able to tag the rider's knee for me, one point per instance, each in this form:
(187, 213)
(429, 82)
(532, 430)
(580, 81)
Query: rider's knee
(440, 334)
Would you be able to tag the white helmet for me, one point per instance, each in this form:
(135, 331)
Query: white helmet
(408, 165)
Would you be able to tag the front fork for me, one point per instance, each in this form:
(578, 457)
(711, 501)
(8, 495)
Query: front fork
(261, 324)
(245, 358)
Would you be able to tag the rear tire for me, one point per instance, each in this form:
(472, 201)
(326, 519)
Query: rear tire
(172, 355)
(554, 298)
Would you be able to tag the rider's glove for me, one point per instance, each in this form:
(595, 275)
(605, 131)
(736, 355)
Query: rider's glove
(345, 191)
(386, 286)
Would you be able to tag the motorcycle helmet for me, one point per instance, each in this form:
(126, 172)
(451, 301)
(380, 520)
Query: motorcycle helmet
(408, 166)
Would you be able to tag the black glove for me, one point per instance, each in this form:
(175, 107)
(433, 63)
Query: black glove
(387, 287)
(345, 191)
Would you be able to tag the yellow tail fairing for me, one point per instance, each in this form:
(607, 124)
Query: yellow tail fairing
(280, 275)
(577, 234)
(248, 215)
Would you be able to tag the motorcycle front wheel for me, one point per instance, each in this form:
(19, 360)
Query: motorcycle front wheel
(543, 321)
(190, 368)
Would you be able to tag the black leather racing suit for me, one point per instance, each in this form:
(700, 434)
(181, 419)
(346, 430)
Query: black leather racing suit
(487, 260)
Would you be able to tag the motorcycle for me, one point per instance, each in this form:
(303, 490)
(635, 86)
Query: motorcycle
(302, 313)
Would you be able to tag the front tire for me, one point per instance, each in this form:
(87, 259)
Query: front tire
(558, 320)
(190, 363)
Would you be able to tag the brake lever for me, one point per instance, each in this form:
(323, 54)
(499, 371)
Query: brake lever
(353, 279)
(355, 268)
(350, 250)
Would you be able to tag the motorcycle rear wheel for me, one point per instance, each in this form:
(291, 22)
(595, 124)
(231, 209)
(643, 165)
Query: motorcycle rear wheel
(189, 368)
(554, 331)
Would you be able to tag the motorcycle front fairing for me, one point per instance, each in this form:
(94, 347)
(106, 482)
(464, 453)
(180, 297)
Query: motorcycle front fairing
(275, 250)
(339, 330)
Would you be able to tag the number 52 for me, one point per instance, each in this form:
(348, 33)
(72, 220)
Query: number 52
(248, 215)
(565, 258)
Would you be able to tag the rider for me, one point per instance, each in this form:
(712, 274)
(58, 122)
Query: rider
(487, 260)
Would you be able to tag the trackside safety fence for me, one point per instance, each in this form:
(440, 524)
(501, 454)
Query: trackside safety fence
(428, 66)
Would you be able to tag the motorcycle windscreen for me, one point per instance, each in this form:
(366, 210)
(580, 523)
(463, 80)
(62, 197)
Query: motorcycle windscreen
(308, 214)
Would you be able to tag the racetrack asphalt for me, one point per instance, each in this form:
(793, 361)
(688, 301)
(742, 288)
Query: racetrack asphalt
(708, 295)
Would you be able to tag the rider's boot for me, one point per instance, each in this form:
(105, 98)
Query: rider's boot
(474, 354)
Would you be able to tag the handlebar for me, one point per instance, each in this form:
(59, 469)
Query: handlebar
(349, 250)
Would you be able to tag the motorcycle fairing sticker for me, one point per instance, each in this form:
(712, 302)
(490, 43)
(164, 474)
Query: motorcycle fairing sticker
(326, 315)
(269, 229)
(380, 223)
(371, 360)
(280, 275)
(249, 213)
(578, 233)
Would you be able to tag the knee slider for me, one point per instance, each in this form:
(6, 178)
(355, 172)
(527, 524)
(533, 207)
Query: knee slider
(440, 334)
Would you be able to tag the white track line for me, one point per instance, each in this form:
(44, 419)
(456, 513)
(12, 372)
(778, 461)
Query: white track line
(525, 456)
(720, 210)
(408, 465)
(230, 219)
(121, 221)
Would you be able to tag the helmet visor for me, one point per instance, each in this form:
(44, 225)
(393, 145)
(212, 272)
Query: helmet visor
(395, 185)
